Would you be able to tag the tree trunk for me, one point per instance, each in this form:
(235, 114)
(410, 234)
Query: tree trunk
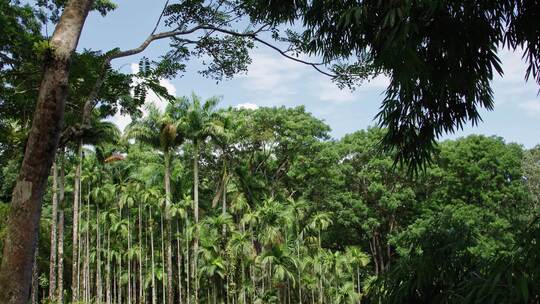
(141, 283)
(35, 284)
(179, 262)
(154, 295)
(60, 287)
(61, 200)
(170, 290)
(25, 212)
(53, 255)
(75, 235)
(99, 284)
(108, 269)
(194, 271)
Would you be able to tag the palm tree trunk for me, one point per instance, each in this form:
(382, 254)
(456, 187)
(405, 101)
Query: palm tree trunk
(179, 262)
(128, 257)
(54, 223)
(163, 285)
(141, 283)
(75, 246)
(108, 269)
(187, 265)
(23, 219)
(99, 285)
(35, 274)
(194, 270)
(170, 290)
(87, 257)
(60, 288)
(61, 201)
(154, 295)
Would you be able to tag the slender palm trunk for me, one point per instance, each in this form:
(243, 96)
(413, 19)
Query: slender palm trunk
(163, 285)
(187, 265)
(170, 290)
(61, 200)
(54, 223)
(194, 271)
(154, 294)
(60, 287)
(108, 269)
(141, 283)
(87, 256)
(75, 235)
(35, 284)
(99, 284)
(129, 258)
(179, 262)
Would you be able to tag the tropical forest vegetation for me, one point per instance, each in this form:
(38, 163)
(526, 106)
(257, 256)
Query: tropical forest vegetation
(202, 203)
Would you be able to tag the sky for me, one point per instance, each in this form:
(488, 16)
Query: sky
(273, 80)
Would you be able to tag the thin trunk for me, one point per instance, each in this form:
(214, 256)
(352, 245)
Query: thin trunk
(35, 275)
(187, 265)
(99, 285)
(128, 257)
(108, 269)
(163, 283)
(154, 296)
(194, 271)
(61, 201)
(54, 223)
(75, 235)
(179, 262)
(141, 283)
(170, 290)
(23, 219)
(60, 288)
(87, 257)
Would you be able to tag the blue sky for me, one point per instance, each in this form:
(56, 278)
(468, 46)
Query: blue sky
(273, 81)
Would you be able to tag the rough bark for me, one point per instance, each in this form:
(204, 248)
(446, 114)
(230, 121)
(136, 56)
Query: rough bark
(25, 212)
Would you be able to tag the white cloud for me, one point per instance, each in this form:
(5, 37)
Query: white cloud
(329, 91)
(532, 106)
(247, 105)
(273, 80)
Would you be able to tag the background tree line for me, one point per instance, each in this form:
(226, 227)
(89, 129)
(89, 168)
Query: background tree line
(202, 205)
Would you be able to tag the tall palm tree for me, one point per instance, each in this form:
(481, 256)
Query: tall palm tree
(157, 130)
(99, 132)
(200, 121)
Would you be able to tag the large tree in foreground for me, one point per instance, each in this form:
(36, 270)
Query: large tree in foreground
(40, 149)
(440, 56)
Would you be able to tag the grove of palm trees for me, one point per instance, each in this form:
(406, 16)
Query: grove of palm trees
(200, 201)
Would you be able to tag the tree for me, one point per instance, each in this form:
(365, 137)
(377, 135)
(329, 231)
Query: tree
(16, 269)
(440, 57)
(200, 121)
(159, 131)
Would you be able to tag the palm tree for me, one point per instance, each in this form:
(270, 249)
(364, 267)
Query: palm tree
(99, 132)
(159, 132)
(200, 121)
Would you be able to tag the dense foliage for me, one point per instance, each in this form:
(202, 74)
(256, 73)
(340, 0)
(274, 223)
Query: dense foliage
(289, 215)
(199, 204)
